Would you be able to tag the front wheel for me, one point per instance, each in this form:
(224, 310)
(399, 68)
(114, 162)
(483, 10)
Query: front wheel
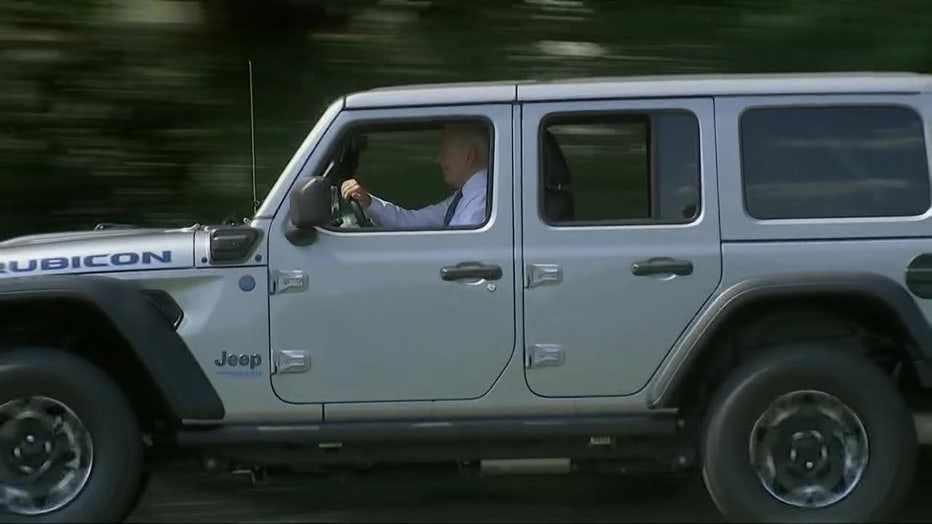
(808, 434)
(70, 446)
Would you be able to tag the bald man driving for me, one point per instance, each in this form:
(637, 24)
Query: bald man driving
(463, 158)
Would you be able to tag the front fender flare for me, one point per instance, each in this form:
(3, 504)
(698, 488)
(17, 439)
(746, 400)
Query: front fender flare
(704, 327)
(161, 351)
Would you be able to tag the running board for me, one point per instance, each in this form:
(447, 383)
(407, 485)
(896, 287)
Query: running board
(653, 425)
(534, 466)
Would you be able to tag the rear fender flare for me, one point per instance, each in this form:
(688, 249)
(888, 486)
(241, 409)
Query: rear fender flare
(676, 366)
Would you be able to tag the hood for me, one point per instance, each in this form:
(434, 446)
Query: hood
(97, 251)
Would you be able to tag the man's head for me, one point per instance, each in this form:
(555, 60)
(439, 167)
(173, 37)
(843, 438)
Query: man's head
(464, 149)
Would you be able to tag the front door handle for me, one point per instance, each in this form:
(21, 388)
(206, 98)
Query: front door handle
(471, 270)
(652, 266)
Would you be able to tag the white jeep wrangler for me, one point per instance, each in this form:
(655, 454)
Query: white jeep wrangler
(731, 274)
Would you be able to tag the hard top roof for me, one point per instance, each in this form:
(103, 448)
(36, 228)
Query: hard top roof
(640, 87)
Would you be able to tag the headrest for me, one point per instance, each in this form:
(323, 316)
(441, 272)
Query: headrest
(556, 170)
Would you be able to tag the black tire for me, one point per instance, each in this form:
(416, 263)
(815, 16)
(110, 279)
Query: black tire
(747, 393)
(117, 466)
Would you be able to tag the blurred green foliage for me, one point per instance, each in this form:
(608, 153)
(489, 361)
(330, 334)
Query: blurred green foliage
(137, 110)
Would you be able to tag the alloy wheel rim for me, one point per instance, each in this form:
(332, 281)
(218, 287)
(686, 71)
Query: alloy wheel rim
(46, 455)
(809, 449)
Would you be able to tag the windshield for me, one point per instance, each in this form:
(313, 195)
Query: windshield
(270, 202)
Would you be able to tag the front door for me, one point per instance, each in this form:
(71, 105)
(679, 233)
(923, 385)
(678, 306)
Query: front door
(621, 238)
(384, 314)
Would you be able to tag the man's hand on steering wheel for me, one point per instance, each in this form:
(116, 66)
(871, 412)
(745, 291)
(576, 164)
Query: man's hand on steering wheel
(351, 190)
(358, 198)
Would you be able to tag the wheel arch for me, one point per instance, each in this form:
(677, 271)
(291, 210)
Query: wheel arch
(870, 299)
(143, 354)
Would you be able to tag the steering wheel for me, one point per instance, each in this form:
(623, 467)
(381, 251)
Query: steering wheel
(346, 163)
(361, 218)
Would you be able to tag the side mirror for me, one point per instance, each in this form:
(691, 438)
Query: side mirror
(310, 207)
(310, 203)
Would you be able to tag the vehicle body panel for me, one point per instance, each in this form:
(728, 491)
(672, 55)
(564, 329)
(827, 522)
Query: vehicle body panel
(614, 326)
(376, 319)
(106, 251)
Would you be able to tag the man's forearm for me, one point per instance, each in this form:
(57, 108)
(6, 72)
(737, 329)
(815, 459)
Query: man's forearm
(387, 214)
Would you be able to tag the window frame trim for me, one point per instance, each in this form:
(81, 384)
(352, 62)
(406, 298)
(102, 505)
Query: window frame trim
(741, 157)
(644, 112)
(355, 123)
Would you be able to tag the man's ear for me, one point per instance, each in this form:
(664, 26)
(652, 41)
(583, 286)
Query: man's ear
(472, 154)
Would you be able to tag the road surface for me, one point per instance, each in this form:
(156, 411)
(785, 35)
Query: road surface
(440, 496)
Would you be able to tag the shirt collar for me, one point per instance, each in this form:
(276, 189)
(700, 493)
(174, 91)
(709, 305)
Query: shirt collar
(476, 183)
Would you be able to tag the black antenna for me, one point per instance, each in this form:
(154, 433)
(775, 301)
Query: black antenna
(252, 136)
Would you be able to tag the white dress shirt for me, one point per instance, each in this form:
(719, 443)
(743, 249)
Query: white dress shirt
(470, 211)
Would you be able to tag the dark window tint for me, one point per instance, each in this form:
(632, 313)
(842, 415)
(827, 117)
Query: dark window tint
(834, 162)
(623, 168)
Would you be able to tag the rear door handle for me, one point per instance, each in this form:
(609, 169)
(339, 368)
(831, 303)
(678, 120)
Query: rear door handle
(653, 266)
(471, 270)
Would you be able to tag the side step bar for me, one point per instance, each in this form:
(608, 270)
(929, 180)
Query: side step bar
(653, 425)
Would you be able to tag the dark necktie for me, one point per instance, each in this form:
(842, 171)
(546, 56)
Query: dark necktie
(452, 208)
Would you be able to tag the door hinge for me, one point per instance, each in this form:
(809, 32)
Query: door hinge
(290, 361)
(542, 274)
(544, 355)
(287, 281)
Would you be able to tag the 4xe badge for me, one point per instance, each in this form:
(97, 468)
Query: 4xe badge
(247, 364)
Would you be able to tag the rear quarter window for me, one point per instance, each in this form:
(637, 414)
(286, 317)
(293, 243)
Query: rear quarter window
(834, 162)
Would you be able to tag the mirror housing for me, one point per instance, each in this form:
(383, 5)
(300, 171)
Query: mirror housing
(310, 207)
(310, 203)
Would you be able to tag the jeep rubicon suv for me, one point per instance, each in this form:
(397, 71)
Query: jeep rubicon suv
(725, 274)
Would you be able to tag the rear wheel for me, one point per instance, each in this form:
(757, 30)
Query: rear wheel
(806, 433)
(70, 447)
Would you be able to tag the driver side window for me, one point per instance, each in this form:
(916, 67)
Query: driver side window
(412, 175)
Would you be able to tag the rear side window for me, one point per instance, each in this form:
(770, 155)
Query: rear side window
(620, 168)
(834, 162)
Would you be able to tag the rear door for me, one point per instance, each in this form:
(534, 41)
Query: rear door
(621, 238)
